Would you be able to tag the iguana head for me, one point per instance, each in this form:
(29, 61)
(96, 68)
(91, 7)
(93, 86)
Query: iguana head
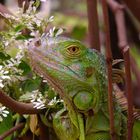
(73, 70)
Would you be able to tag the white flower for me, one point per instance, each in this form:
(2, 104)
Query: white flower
(60, 31)
(44, 81)
(39, 104)
(51, 32)
(38, 100)
(3, 75)
(1, 84)
(19, 56)
(43, 0)
(6, 43)
(50, 19)
(3, 112)
(1, 67)
(9, 71)
(13, 62)
(54, 101)
(34, 9)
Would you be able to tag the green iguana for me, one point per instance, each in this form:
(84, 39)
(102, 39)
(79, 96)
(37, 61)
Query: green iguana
(78, 74)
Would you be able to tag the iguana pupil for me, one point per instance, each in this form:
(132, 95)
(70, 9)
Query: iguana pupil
(73, 49)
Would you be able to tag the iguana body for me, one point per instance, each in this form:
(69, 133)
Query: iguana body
(78, 74)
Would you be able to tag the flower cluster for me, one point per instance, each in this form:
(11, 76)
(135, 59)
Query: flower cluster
(54, 101)
(3, 76)
(54, 32)
(9, 71)
(25, 29)
(38, 100)
(3, 112)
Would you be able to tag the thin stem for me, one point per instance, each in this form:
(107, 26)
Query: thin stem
(117, 9)
(19, 107)
(9, 132)
(128, 91)
(109, 70)
(93, 24)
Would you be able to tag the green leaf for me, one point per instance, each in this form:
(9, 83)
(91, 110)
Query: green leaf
(25, 67)
(37, 3)
(12, 51)
(24, 37)
(3, 57)
(51, 94)
(25, 97)
(31, 84)
(19, 27)
(5, 125)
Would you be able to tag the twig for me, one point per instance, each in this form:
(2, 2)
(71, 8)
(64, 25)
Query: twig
(128, 91)
(93, 24)
(9, 132)
(19, 107)
(117, 9)
(109, 70)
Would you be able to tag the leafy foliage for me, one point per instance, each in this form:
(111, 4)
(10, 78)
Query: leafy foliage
(16, 76)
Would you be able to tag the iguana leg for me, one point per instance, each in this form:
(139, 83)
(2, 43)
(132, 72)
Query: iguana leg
(64, 128)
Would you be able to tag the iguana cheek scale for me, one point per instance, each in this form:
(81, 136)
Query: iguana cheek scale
(78, 74)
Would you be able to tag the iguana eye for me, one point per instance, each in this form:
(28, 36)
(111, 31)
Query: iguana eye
(73, 49)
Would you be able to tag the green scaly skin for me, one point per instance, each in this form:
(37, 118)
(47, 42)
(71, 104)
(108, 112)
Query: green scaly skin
(78, 74)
